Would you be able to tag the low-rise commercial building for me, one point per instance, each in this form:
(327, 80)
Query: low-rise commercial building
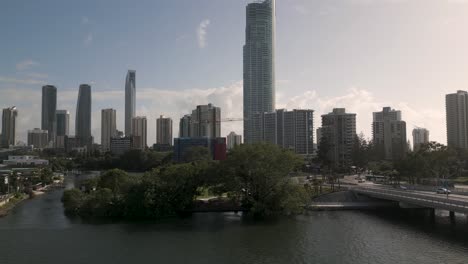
(25, 161)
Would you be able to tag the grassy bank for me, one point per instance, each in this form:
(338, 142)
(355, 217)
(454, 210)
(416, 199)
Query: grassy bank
(6, 208)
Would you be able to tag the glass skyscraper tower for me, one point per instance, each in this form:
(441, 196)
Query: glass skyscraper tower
(130, 98)
(49, 107)
(83, 116)
(259, 67)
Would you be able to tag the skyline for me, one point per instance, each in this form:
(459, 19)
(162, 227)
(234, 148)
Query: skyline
(396, 54)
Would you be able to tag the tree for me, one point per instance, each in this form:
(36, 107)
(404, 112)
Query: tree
(361, 151)
(196, 154)
(258, 174)
(72, 201)
(117, 181)
(46, 176)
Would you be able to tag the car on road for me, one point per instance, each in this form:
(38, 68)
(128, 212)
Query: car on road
(361, 180)
(404, 188)
(443, 191)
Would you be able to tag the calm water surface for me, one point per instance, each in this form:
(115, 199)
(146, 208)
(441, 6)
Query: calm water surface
(38, 232)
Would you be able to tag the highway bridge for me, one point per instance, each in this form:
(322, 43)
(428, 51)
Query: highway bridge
(453, 203)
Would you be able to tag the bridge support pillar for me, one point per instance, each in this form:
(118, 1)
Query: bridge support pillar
(432, 213)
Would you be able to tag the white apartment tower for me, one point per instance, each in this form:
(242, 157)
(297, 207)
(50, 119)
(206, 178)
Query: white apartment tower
(389, 134)
(233, 140)
(164, 130)
(420, 137)
(338, 131)
(456, 106)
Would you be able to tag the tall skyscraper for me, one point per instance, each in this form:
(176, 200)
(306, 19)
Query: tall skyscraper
(206, 121)
(259, 67)
(139, 132)
(389, 134)
(38, 138)
(49, 107)
(420, 137)
(233, 140)
(456, 107)
(108, 127)
(83, 116)
(130, 100)
(63, 127)
(9, 126)
(184, 126)
(164, 130)
(338, 133)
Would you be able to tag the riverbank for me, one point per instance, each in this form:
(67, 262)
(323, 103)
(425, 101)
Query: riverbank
(8, 203)
(12, 202)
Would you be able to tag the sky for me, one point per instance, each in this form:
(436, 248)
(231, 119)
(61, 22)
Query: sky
(358, 54)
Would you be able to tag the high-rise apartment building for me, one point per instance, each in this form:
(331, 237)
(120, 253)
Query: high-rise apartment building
(420, 137)
(49, 107)
(130, 100)
(9, 126)
(164, 130)
(83, 116)
(108, 127)
(205, 121)
(338, 133)
(456, 107)
(259, 67)
(38, 138)
(289, 129)
(389, 134)
(139, 136)
(184, 126)
(63, 127)
(233, 140)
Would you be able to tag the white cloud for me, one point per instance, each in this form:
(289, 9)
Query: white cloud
(20, 81)
(26, 64)
(37, 75)
(202, 32)
(88, 39)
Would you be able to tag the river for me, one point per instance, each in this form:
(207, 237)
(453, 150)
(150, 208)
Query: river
(37, 231)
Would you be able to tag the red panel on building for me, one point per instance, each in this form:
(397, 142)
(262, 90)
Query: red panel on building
(219, 149)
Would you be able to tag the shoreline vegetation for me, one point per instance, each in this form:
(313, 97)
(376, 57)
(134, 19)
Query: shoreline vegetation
(19, 197)
(255, 178)
(13, 201)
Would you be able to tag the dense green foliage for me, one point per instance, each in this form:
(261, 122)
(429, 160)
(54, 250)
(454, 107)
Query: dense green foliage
(254, 176)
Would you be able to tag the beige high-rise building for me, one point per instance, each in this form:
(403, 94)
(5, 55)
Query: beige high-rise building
(164, 130)
(338, 132)
(9, 126)
(456, 106)
(206, 122)
(139, 132)
(108, 127)
(420, 137)
(233, 140)
(389, 134)
(38, 138)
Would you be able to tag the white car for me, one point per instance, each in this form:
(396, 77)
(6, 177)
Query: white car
(443, 191)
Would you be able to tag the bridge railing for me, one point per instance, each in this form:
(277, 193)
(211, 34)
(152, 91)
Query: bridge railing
(416, 198)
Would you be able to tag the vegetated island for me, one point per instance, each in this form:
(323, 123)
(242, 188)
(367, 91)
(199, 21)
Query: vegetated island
(254, 177)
